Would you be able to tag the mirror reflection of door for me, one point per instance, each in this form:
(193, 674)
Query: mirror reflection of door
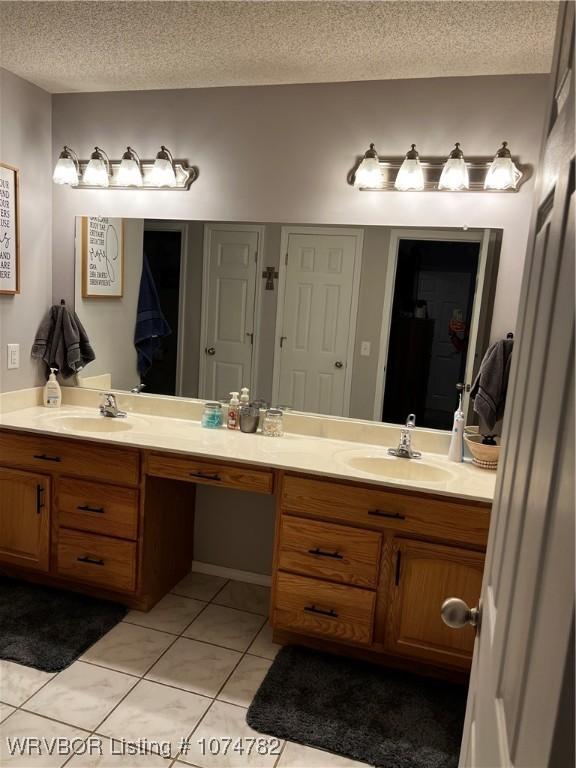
(163, 249)
(430, 328)
(317, 315)
(228, 309)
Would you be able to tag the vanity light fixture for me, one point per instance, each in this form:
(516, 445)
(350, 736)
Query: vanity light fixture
(411, 175)
(130, 172)
(502, 174)
(368, 173)
(97, 172)
(163, 173)
(67, 168)
(455, 172)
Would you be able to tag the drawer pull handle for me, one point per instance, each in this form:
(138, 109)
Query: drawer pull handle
(205, 475)
(331, 613)
(90, 560)
(39, 502)
(321, 553)
(88, 508)
(45, 457)
(381, 513)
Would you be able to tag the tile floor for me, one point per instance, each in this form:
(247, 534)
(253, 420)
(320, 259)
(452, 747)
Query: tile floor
(188, 670)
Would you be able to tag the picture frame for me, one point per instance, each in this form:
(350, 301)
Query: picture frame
(102, 241)
(9, 230)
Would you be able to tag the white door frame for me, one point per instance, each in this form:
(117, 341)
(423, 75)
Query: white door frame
(358, 234)
(219, 227)
(166, 225)
(481, 236)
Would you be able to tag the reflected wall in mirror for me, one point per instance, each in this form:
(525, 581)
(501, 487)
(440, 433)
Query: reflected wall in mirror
(368, 322)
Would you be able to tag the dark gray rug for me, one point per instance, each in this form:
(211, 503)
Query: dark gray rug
(49, 628)
(359, 710)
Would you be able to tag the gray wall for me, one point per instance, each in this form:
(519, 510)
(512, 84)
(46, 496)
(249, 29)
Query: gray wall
(281, 153)
(26, 142)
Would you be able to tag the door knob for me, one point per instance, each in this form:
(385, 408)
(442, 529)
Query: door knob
(210, 350)
(339, 364)
(456, 613)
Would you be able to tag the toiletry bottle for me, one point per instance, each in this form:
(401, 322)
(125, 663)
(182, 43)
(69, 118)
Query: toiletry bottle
(232, 422)
(456, 451)
(52, 391)
(244, 396)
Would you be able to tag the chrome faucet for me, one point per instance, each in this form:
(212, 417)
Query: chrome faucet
(405, 450)
(109, 407)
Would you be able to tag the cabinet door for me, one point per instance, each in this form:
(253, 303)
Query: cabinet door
(24, 519)
(424, 575)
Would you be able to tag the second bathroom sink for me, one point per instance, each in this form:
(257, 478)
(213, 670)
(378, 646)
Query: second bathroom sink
(97, 424)
(382, 465)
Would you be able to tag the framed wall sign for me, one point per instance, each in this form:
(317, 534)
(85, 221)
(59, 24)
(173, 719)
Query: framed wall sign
(9, 230)
(102, 257)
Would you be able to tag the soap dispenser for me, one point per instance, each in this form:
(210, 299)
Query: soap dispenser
(233, 415)
(244, 396)
(52, 391)
(456, 450)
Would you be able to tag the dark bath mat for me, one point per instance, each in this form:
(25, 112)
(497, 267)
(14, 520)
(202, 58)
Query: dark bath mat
(49, 628)
(359, 710)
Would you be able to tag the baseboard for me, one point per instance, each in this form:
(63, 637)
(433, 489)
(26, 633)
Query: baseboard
(232, 573)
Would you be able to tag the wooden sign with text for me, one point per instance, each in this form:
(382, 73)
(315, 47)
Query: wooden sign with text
(9, 230)
(102, 257)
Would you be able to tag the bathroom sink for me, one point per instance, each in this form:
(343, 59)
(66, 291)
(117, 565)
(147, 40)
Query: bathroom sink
(412, 470)
(95, 424)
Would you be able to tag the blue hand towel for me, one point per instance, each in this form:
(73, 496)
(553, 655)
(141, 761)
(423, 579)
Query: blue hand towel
(151, 325)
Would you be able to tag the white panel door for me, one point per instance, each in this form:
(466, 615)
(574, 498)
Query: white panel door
(519, 697)
(318, 322)
(228, 310)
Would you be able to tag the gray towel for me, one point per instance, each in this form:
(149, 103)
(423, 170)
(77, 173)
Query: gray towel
(491, 385)
(62, 343)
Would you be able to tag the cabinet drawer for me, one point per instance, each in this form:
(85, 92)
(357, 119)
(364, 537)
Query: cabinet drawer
(333, 552)
(107, 509)
(460, 521)
(320, 608)
(70, 457)
(97, 559)
(210, 473)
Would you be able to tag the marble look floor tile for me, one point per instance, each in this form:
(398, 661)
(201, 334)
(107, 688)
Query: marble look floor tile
(222, 723)
(194, 666)
(201, 586)
(156, 713)
(299, 756)
(23, 725)
(111, 754)
(245, 597)
(18, 683)
(81, 695)
(225, 626)
(263, 644)
(171, 614)
(128, 648)
(245, 681)
(5, 710)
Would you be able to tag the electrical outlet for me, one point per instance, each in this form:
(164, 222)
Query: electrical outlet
(365, 347)
(13, 355)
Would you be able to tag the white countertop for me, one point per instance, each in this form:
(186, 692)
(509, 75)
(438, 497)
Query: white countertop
(300, 453)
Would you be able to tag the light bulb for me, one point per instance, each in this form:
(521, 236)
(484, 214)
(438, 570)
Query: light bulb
(65, 170)
(368, 173)
(96, 172)
(411, 175)
(502, 174)
(455, 173)
(129, 173)
(162, 173)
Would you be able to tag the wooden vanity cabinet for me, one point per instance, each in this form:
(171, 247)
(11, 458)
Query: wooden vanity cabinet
(398, 556)
(25, 519)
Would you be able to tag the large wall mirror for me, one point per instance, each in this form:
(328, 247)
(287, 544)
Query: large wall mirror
(361, 321)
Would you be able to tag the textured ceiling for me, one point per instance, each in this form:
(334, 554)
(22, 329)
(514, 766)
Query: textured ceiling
(108, 46)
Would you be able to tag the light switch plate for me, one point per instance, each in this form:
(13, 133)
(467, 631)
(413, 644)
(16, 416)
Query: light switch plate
(365, 347)
(13, 355)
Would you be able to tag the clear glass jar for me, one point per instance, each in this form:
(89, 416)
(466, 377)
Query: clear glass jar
(273, 425)
(212, 416)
